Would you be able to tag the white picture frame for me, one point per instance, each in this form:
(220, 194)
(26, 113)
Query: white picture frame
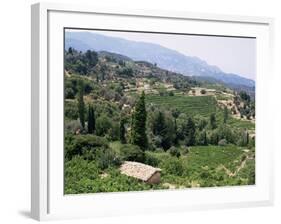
(47, 198)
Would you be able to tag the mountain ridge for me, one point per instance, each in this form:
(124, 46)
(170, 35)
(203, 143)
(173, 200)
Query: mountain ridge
(154, 53)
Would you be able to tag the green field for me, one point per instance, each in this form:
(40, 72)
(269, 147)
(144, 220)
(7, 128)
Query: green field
(199, 105)
(196, 105)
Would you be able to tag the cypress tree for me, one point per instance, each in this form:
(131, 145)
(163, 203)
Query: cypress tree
(91, 120)
(81, 104)
(139, 124)
(175, 114)
(225, 114)
(189, 131)
(122, 131)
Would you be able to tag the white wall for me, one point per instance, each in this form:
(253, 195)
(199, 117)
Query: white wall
(15, 110)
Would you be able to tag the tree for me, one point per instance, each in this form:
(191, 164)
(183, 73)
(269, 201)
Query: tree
(103, 72)
(225, 114)
(122, 131)
(244, 96)
(189, 132)
(175, 114)
(162, 126)
(91, 120)
(203, 91)
(158, 125)
(103, 125)
(213, 122)
(202, 138)
(81, 104)
(139, 136)
(91, 58)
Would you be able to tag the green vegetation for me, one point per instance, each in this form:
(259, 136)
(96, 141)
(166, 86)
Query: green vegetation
(200, 105)
(119, 110)
(139, 124)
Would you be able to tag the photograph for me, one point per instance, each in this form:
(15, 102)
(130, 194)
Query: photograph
(147, 111)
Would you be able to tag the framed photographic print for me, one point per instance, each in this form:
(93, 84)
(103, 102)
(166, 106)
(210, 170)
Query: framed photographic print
(139, 111)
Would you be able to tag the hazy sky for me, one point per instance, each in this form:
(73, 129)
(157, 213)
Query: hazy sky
(230, 54)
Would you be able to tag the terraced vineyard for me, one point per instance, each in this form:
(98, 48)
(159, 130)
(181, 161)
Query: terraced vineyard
(207, 166)
(199, 105)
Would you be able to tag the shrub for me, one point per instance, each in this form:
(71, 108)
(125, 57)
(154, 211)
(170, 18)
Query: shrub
(71, 110)
(103, 124)
(173, 166)
(174, 152)
(72, 126)
(106, 157)
(113, 132)
(226, 132)
(82, 144)
(203, 91)
(202, 138)
(171, 93)
(69, 93)
(151, 160)
(185, 150)
(222, 142)
(214, 137)
(132, 153)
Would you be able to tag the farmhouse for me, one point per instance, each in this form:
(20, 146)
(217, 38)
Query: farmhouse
(143, 172)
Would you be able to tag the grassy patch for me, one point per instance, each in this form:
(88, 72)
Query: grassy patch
(199, 105)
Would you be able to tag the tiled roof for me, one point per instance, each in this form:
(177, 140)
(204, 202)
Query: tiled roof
(138, 170)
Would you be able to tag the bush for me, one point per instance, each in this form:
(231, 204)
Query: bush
(174, 152)
(103, 124)
(222, 142)
(69, 93)
(82, 144)
(131, 153)
(71, 110)
(185, 150)
(106, 157)
(151, 160)
(72, 126)
(227, 133)
(171, 93)
(203, 91)
(113, 132)
(173, 166)
(214, 137)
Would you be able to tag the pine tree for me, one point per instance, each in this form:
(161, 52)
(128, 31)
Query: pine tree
(139, 124)
(91, 120)
(225, 114)
(189, 131)
(81, 104)
(122, 131)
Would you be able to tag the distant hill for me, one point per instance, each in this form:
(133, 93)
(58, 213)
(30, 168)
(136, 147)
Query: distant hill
(164, 58)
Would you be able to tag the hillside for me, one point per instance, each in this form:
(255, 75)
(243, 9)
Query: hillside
(164, 58)
(199, 133)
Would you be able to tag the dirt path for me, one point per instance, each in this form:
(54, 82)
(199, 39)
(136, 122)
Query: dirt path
(233, 174)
